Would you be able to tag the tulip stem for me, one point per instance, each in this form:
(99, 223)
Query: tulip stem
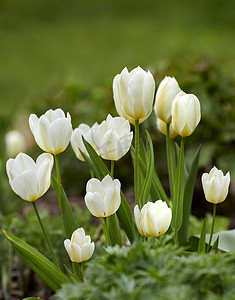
(77, 269)
(105, 229)
(92, 173)
(45, 234)
(112, 168)
(170, 159)
(212, 229)
(58, 170)
(136, 167)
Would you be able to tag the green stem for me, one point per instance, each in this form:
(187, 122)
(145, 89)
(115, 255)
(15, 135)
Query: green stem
(77, 269)
(112, 168)
(45, 234)
(212, 229)
(170, 159)
(92, 173)
(58, 178)
(136, 167)
(106, 231)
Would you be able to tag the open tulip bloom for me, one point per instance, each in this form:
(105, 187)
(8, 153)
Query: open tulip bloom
(28, 179)
(52, 131)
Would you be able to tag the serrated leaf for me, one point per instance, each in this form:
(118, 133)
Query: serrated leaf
(45, 269)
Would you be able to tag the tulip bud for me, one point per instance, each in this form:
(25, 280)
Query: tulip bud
(77, 144)
(166, 92)
(112, 138)
(186, 114)
(103, 197)
(52, 131)
(15, 143)
(215, 185)
(153, 219)
(79, 248)
(162, 127)
(28, 179)
(133, 94)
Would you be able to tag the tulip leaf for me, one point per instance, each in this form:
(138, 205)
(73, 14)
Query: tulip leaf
(114, 231)
(149, 174)
(66, 210)
(124, 212)
(72, 275)
(42, 266)
(202, 240)
(178, 192)
(188, 196)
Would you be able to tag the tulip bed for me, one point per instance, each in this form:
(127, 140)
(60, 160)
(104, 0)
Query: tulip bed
(139, 253)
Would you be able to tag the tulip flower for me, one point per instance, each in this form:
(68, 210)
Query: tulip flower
(112, 138)
(28, 179)
(161, 126)
(77, 144)
(103, 197)
(15, 143)
(215, 185)
(166, 92)
(186, 114)
(52, 131)
(79, 248)
(133, 94)
(153, 219)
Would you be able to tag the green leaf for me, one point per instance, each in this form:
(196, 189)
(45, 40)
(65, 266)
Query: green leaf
(226, 240)
(188, 196)
(67, 214)
(114, 231)
(215, 245)
(32, 298)
(72, 276)
(124, 212)
(202, 240)
(45, 269)
(149, 174)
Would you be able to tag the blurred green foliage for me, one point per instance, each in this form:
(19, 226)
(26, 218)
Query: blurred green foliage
(147, 271)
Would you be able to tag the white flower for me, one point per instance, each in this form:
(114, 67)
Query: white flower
(186, 114)
(166, 92)
(15, 143)
(133, 94)
(153, 219)
(103, 197)
(162, 127)
(215, 185)
(28, 179)
(79, 248)
(77, 144)
(112, 138)
(52, 131)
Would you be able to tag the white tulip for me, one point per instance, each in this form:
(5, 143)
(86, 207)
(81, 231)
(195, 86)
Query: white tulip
(79, 248)
(15, 143)
(166, 92)
(112, 138)
(77, 144)
(28, 179)
(162, 127)
(186, 114)
(153, 219)
(52, 131)
(215, 185)
(103, 197)
(133, 94)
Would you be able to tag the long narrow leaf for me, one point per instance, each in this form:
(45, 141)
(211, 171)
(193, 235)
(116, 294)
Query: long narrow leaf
(115, 235)
(124, 212)
(35, 257)
(66, 210)
(202, 240)
(188, 196)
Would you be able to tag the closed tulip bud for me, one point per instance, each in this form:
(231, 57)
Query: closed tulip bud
(77, 144)
(79, 248)
(166, 92)
(28, 179)
(15, 143)
(103, 197)
(133, 94)
(186, 114)
(162, 127)
(153, 219)
(215, 185)
(112, 138)
(52, 131)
